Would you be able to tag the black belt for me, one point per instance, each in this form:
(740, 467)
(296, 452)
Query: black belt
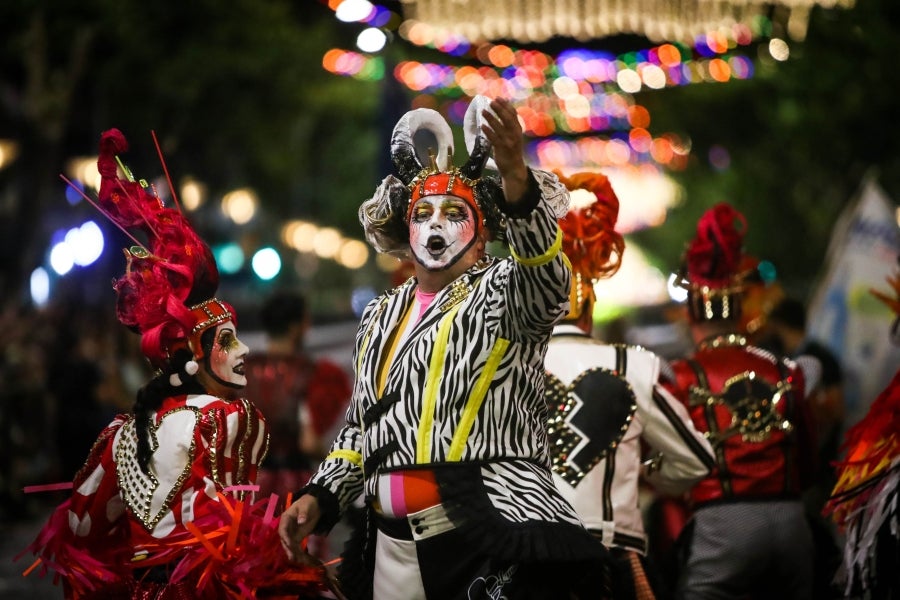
(399, 529)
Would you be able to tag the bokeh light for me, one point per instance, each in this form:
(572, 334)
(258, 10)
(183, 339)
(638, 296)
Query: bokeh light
(779, 49)
(350, 11)
(719, 157)
(61, 260)
(353, 254)
(266, 263)
(229, 257)
(85, 243)
(371, 39)
(326, 242)
(39, 285)
(192, 194)
(9, 150)
(240, 205)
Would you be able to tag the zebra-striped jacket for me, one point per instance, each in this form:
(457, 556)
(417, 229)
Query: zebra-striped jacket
(465, 388)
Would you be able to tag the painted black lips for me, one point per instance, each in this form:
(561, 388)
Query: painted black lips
(436, 245)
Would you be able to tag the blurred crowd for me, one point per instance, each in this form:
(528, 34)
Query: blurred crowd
(66, 370)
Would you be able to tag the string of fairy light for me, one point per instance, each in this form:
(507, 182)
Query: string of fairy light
(578, 106)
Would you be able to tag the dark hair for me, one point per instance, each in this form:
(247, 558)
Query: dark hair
(281, 310)
(789, 312)
(150, 397)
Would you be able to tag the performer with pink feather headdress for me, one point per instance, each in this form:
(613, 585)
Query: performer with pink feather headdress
(163, 506)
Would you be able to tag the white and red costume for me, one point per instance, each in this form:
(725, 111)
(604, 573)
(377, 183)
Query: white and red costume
(162, 507)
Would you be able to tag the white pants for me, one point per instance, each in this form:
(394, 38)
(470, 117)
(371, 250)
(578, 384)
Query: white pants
(397, 573)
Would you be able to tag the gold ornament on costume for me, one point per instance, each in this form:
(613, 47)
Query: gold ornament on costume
(753, 404)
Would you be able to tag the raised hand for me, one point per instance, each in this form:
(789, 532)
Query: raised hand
(503, 130)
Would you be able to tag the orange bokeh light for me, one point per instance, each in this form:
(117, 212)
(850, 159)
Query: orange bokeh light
(719, 70)
(669, 55)
(638, 116)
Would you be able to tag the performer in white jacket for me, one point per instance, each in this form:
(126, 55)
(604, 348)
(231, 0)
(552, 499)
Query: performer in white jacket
(606, 407)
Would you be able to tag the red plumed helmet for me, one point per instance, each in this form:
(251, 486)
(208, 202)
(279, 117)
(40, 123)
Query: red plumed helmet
(167, 291)
(713, 268)
(714, 255)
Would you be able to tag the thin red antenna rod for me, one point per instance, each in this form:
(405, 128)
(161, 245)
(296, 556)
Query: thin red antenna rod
(166, 171)
(147, 221)
(100, 208)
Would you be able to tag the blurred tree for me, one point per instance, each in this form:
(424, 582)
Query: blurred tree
(238, 97)
(235, 92)
(799, 135)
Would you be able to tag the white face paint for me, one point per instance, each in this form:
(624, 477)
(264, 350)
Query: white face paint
(224, 365)
(441, 229)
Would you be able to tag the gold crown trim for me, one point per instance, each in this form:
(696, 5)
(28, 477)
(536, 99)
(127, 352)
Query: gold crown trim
(214, 319)
(454, 174)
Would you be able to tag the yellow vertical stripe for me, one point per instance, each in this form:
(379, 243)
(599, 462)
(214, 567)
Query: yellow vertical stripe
(435, 370)
(365, 345)
(473, 405)
(387, 358)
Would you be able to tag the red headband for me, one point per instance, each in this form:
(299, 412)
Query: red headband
(209, 313)
(445, 184)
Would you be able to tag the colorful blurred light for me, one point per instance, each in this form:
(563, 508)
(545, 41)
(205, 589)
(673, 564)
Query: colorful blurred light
(371, 39)
(85, 243)
(719, 157)
(580, 91)
(350, 11)
(61, 260)
(266, 263)
(229, 257)
(40, 286)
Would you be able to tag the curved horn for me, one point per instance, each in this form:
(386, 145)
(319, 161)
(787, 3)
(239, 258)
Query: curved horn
(477, 144)
(403, 148)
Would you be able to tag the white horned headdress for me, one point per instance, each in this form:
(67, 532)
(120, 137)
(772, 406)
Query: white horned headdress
(385, 216)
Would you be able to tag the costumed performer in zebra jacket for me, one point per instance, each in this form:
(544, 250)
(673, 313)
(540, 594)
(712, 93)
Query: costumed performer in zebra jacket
(446, 432)
(606, 404)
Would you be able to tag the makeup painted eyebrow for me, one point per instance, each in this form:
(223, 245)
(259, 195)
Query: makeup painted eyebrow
(453, 203)
(227, 331)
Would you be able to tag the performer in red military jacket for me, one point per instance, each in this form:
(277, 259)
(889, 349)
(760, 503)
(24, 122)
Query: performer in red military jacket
(748, 536)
